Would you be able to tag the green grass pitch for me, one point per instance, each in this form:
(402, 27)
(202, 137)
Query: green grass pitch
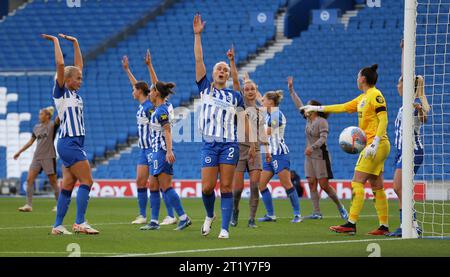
(27, 234)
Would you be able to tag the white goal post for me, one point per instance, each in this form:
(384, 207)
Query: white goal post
(407, 120)
(427, 53)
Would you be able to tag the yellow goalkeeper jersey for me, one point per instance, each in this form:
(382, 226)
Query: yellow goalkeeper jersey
(370, 106)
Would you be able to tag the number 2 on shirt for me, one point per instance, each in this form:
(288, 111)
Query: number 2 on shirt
(231, 154)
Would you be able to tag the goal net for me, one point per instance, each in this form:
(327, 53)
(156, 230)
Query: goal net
(429, 39)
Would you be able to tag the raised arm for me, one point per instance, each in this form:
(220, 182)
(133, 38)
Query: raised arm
(126, 67)
(151, 70)
(78, 58)
(297, 101)
(59, 59)
(349, 107)
(200, 69)
(234, 71)
(25, 147)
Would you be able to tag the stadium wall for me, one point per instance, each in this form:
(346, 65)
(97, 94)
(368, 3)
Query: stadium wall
(193, 189)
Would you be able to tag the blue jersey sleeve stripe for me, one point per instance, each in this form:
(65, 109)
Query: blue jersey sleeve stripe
(203, 84)
(58, 92)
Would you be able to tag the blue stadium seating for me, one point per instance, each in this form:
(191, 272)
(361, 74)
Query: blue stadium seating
(111, 120)
(24, 49)
(324, 61)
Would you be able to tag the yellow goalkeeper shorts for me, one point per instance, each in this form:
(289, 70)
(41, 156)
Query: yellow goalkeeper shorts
(374, 166)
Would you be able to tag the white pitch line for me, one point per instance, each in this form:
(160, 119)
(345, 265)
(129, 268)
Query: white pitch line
(253, 247)
(128, 223)
(204, 250)
(56, 253)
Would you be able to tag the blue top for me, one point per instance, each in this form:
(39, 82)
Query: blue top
(163, 115)
(398, 130)
(277, 122)
(218, 115)
(70, 111)
(143, 115)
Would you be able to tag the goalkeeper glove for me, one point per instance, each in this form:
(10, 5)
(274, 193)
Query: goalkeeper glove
(371, 150)
(310, 108)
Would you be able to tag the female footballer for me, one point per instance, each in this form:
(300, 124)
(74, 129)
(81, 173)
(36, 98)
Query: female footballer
(372, 117)
(279, 162)
(145, 109)
(70, 146)
(218, 125)
(170, 218)
(317, 157)
(420, 117)
(249, 149)
(163, 156)
(44, 158)
(141, 93)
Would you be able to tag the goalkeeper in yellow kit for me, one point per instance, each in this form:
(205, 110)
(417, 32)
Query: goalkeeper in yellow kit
(372, 119)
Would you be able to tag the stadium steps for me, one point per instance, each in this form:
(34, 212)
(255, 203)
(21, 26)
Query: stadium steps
(14, 7)
(273, 47)
(345, 19)
(116, 155)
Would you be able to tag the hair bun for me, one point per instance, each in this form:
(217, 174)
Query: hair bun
(374, 67)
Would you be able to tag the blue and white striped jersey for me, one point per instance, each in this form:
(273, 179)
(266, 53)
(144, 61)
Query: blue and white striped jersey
(277, 122)
(70, 111)
(399, 134)
(163, 115)
(143, 115)
(218, 115)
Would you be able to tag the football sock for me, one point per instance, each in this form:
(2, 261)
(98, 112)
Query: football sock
(82, 203)
(169, 207)
(208, 202)
(30, 192)
(62, 206)
(226, 204)
(142, 201)
(357, 202)
(315, 200)
(293, 197)
(381, 205)
(175, 202)
(236, 198)
(155, 205)
(267, 199)
(254, 199)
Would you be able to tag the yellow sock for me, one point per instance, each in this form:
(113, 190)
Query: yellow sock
(357, 202)
(381, 205)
